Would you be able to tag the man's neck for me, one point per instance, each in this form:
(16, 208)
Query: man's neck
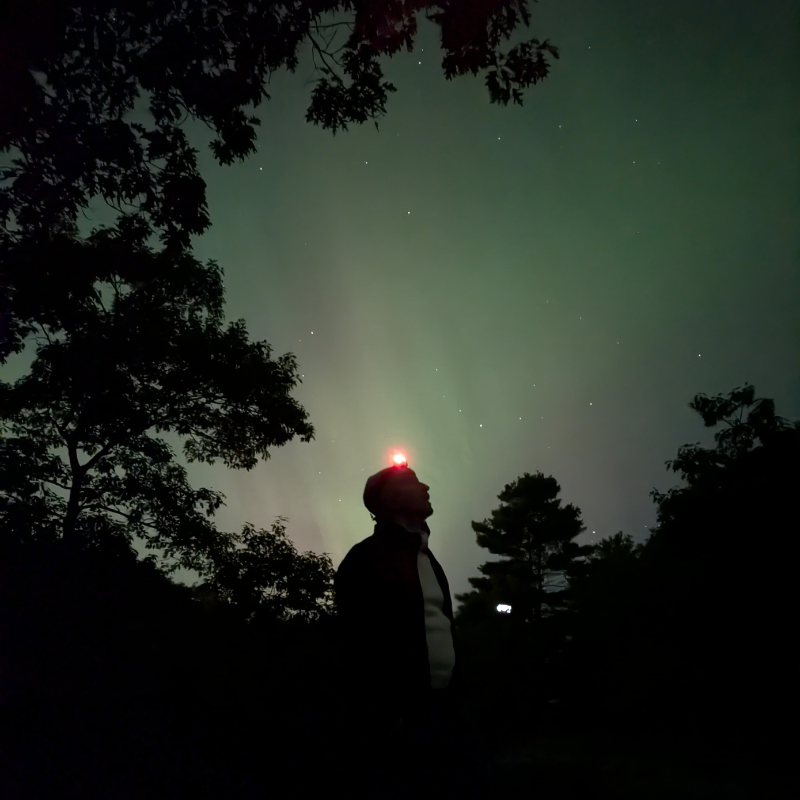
(413, 524)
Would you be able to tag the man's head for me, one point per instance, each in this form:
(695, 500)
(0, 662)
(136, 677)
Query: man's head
(396, 492)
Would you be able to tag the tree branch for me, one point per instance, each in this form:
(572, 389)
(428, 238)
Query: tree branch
(104, 450)
(114, 510)
(322, 52)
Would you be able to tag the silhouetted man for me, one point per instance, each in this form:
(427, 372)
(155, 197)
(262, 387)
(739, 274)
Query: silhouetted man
(395, 618)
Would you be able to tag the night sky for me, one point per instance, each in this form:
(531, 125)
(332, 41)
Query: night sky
(505, 290)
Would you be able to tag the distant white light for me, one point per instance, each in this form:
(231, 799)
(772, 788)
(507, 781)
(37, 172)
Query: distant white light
(503, 608)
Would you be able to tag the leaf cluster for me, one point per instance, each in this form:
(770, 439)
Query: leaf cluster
(142, 351)
(262, 575)
(73, 78)
(748, 425)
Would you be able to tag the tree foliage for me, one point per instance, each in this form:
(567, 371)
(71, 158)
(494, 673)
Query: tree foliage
(262, 575)
(694, 628)
(117, 364)
(738, 493)
(601, 586)
(533, 533)
(73, 72)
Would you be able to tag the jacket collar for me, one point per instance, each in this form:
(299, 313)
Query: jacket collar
(398, 533)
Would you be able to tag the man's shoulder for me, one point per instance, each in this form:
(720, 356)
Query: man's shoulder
(359, 551)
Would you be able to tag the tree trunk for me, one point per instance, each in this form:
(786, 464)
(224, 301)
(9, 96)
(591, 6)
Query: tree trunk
(539, 587)
(73, 504)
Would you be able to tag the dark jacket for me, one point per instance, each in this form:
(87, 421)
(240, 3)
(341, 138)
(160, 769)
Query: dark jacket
(381, 620)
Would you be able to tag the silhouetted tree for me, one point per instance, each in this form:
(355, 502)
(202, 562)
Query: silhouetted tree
(83, 618)
(719, 568)
(103, 656)
(603, 622)
(80, 458)
(508, 657)
(263, 576)
(534, 535)
(601, 588)
(72, 71)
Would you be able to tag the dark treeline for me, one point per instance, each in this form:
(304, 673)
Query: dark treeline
(675, 654)
(627, 663)
(118, 682)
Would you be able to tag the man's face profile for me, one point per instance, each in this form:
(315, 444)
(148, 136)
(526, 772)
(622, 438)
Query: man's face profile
(406, 494)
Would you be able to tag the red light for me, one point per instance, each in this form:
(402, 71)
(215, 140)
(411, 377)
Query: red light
(400, 460)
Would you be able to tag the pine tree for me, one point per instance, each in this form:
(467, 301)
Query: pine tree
(533, 533)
